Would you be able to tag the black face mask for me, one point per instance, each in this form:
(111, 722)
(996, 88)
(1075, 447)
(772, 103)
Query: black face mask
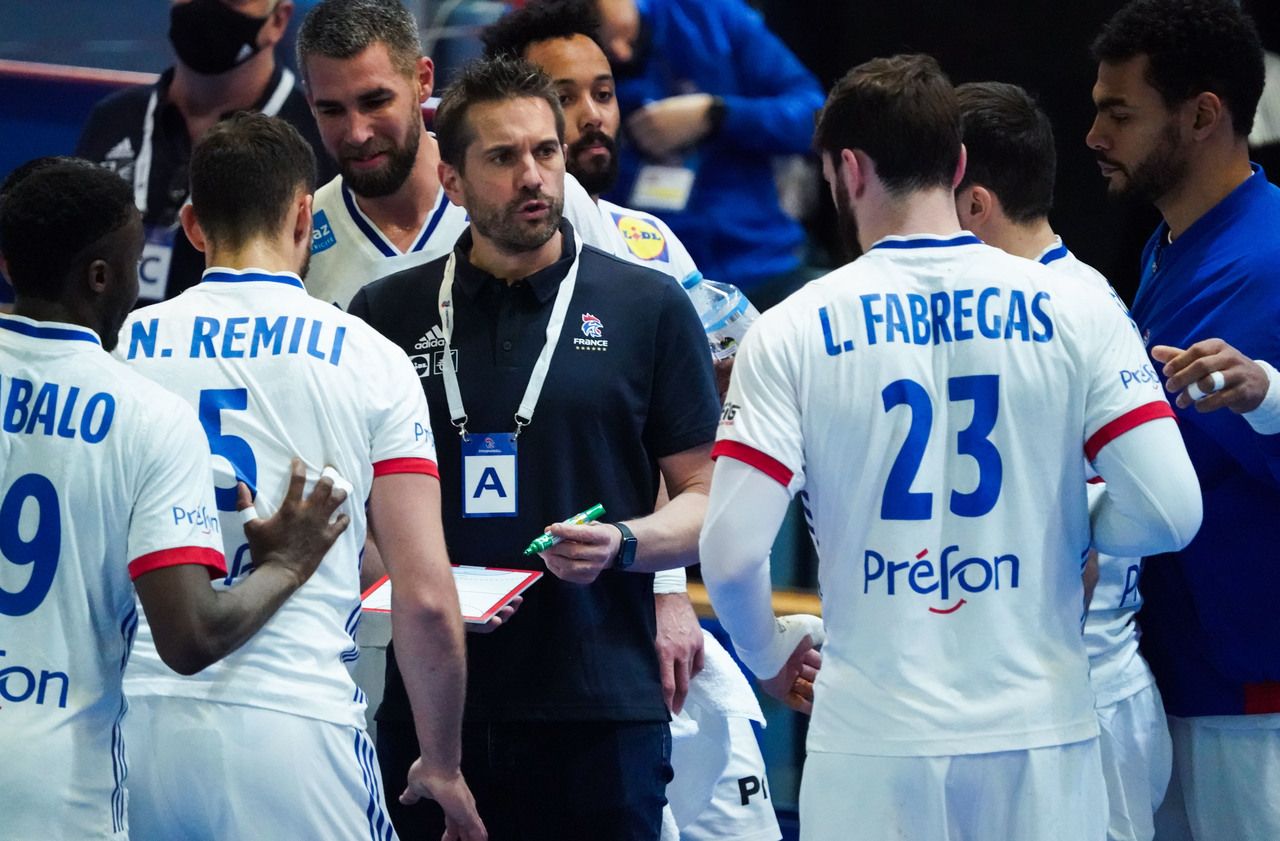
(212, 38)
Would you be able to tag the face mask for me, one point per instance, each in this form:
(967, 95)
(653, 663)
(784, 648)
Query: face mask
(212, 38)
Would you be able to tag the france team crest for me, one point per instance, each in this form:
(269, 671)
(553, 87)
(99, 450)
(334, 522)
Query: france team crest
(592, 327)
(643, 238)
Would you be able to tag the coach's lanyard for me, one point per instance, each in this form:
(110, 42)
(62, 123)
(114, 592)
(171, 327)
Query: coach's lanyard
(142, 165)
(453, 394)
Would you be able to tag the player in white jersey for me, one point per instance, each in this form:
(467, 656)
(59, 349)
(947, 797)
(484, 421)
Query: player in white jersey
(104, 486)
(929, 398)
(1004, 199)
(274, 371)
(720, 789)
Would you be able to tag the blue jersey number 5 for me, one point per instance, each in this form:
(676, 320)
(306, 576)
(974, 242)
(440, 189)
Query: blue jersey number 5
(236, 450)
(899, 501)
(41, 551)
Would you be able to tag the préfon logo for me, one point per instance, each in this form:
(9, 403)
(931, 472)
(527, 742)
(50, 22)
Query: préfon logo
(926, 577)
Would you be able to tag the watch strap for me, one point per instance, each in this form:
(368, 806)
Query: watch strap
(627, 549)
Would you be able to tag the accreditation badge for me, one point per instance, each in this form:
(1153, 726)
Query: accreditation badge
(489, 474)
(662, 187)
(153, 268)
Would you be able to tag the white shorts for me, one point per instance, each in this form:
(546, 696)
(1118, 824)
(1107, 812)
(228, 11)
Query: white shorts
(203, 771)
(720, 790)
(1226, 780)
(1044, 794)
(1137, 756)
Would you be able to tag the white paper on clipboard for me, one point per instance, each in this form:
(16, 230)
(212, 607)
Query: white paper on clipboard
(482, 591)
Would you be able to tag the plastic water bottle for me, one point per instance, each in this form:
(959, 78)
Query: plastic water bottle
(725, 312)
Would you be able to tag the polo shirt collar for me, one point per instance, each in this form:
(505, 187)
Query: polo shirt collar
(544, 282)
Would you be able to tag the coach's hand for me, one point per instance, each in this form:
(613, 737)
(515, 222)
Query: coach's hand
(461, 822)
(298, 535)
(583, 551)
(1225, 376)
(679, 643)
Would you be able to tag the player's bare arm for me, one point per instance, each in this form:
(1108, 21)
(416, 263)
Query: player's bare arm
(195, 625)
(665, 539)
(426, 623)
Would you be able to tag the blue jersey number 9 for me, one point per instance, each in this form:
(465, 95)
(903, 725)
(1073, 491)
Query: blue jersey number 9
(899, 501)
(40, 552)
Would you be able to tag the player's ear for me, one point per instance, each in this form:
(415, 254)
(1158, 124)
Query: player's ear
(426, 71)
(302, 218)
(451, 181)
(962, 164)
(191, 227)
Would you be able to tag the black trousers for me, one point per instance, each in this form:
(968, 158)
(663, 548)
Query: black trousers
(543, 781)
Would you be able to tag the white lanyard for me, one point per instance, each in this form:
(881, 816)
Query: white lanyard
(524, 414)
(142, 164)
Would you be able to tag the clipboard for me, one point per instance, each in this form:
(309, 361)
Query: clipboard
(482, 591)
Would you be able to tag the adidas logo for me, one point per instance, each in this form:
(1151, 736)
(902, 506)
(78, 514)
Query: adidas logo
(120, 159)
(434, 338)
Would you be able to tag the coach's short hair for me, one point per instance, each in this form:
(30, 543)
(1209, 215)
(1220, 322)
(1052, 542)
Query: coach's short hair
(342, 29)
(541, 21)
(245, 174)
(53, 218)
(900, 111)
(488, 80)
(1192, 46)
(1009, 142)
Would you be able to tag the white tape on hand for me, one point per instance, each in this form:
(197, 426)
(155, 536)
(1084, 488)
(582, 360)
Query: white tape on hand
(1216, 382)
(334, 476)
(248, 515)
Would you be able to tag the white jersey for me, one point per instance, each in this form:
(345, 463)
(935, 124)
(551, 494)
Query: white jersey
(348, 251)
(276, 374)
(644, 239)
(1116, 669)
(929, 398)
(103, 478)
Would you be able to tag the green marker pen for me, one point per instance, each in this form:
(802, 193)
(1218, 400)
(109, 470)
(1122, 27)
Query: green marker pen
(545, 541)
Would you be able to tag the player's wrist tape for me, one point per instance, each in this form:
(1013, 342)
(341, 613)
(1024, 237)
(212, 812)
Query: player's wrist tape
(1265, 419)
(669, 581)
(789, 631)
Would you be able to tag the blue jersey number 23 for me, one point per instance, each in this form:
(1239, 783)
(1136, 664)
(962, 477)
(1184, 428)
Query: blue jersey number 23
(900, 502)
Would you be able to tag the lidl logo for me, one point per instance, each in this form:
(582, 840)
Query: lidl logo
(642, 237)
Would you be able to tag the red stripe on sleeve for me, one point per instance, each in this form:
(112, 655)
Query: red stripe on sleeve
(406, 465)
(1129, 420)
(766, 464)
(200, 555)
(1262, 698)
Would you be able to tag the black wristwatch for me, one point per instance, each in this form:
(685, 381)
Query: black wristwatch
(627, 551)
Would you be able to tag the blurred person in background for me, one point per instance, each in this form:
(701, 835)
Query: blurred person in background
(709, 98)
(224, 62)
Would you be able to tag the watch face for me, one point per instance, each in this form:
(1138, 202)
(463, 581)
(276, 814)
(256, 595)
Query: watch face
(627, 552)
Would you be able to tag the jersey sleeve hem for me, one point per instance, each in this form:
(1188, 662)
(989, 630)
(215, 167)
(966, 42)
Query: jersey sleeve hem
(766, 464)
(390, 466)
(1129, 420)
(204, 556)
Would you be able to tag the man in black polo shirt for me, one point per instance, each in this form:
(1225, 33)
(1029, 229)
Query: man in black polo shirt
(566, 734)
(226, 62)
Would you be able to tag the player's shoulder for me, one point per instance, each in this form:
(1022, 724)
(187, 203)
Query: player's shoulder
(390, 297)
(646, 236)
(138, 395)
(327, 195)
(600, 266)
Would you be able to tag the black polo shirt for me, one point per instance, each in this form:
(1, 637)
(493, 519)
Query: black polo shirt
(112, 136)
(605, 416)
